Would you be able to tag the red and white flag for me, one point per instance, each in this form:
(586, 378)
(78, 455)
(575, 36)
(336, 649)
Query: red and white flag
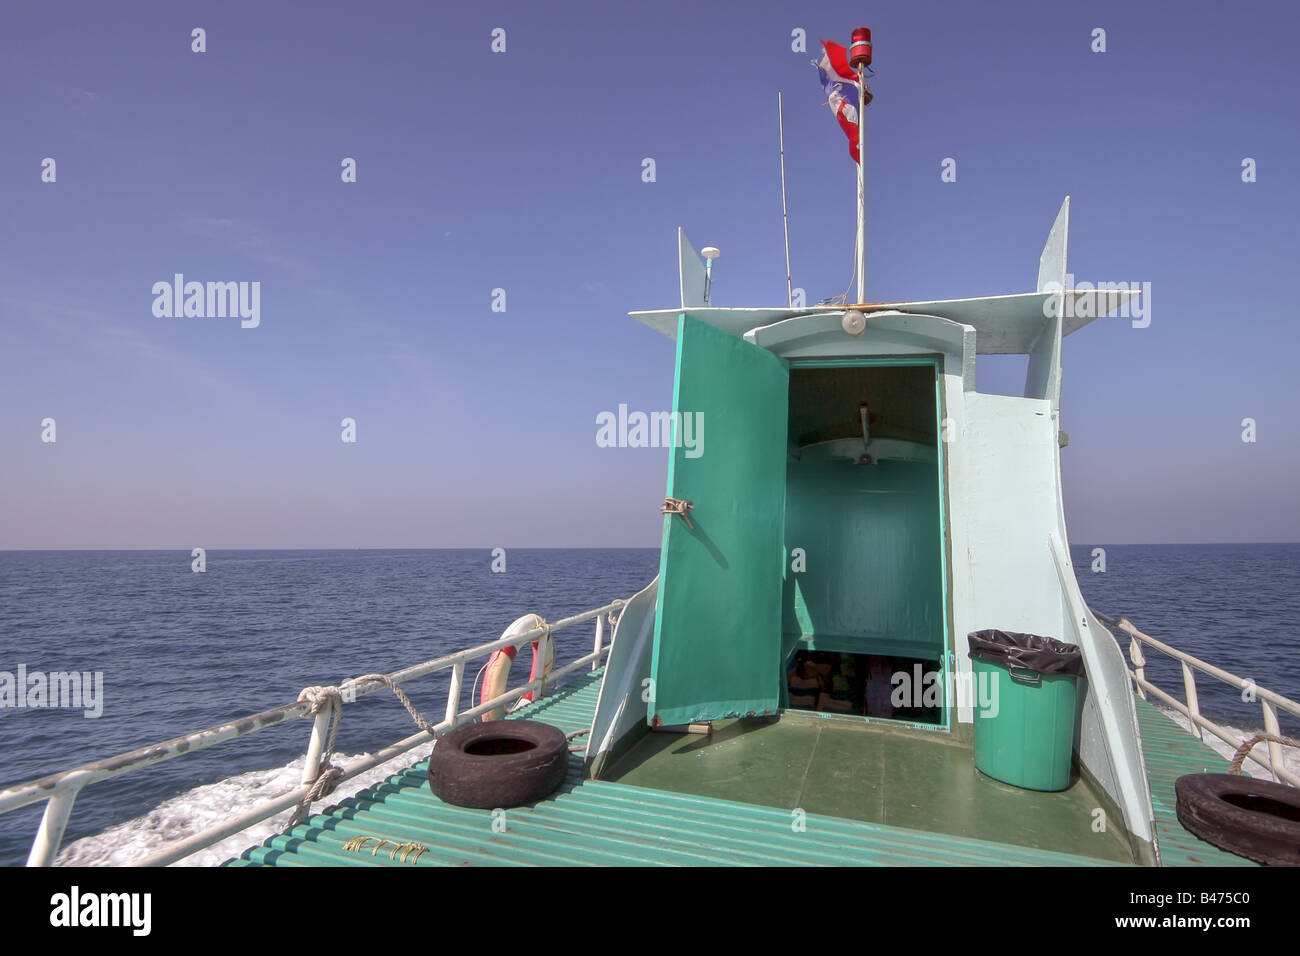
(841, 86)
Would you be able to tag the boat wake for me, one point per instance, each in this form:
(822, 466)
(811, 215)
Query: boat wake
(196, 810)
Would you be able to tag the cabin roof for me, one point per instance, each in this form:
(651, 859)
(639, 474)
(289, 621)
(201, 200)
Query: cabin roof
(1004, 324)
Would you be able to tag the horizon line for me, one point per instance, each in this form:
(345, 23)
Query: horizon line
(600, 547)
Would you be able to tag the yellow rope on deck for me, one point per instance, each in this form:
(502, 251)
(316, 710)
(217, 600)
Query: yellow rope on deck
(357, 844)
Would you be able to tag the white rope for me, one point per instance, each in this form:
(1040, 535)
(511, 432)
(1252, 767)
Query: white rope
(328, 774)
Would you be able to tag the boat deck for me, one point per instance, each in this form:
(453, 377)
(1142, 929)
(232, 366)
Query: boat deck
(1171, 752)
(622, 821)
(877, 772)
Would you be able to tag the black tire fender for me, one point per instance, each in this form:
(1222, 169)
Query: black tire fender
(499, 764)
(1256, 819)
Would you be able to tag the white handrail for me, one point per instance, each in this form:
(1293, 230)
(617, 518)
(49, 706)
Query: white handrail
(61, 789)
(1270, 701)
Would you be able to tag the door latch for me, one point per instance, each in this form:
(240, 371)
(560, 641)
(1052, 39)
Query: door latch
(679, 506)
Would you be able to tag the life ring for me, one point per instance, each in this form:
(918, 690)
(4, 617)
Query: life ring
(497, 672)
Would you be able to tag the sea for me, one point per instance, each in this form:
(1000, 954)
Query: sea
(179, 650)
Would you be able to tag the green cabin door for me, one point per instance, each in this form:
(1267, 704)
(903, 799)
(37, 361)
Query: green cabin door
(717, 649)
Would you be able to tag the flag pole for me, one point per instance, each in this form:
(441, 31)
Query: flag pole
(862, 197)
(785, 217)
(859, 60)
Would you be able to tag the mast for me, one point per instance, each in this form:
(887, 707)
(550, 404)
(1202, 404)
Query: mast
(860, 59)
(862, 197)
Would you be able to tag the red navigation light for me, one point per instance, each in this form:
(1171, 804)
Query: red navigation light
(860, 51)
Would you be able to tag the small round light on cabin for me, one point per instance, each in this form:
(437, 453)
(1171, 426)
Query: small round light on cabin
(854, 322)
(710, 252)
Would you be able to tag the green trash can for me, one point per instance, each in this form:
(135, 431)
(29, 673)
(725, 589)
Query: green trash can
(1026, 693)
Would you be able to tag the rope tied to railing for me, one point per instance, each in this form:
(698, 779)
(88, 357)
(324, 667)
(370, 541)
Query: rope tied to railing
(1239, 757)
(328, 774)
(1137, 639)
(58, 791)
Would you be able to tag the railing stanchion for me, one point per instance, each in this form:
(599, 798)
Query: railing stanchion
(320, 729)
(1274, 748)
(600, 640)
(50, 835)
(1139, 663)
(1193, 705)
(453, 692)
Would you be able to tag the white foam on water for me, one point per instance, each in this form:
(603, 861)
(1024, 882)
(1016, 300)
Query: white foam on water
(1290, 755)
(192, 812)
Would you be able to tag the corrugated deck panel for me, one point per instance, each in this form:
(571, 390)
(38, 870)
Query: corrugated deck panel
(598, 822)
(1171, 752)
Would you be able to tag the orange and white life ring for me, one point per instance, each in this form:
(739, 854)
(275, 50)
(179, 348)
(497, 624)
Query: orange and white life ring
(497, 672)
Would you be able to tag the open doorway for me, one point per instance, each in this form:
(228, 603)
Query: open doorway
(864, 594)
(883, 687)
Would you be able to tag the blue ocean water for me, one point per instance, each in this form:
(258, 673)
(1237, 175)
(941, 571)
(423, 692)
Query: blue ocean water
(1236, 606)
(180, 651)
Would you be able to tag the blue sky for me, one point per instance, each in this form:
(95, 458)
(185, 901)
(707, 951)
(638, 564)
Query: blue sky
(522, 171)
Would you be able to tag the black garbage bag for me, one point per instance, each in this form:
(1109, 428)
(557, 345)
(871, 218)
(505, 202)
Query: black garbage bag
(1046, 655)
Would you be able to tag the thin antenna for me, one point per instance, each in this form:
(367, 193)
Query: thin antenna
(785, 217)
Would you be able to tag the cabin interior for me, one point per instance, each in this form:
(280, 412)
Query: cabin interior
(863, 596)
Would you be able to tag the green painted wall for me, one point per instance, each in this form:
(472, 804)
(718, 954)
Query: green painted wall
(871, 537)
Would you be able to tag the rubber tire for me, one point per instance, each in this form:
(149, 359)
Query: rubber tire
(1263, 837)
(492, 781)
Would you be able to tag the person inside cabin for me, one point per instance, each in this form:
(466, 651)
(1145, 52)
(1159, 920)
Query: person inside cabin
(803, 682)
(879, 687)
(838, 697)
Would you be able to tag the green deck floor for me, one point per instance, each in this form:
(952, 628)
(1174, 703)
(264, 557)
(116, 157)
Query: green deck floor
(1171, 752)
(622, 822)
(876, 773)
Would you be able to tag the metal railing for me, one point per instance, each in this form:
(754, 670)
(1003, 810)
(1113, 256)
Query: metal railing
(61, 789)
(1270, 702)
